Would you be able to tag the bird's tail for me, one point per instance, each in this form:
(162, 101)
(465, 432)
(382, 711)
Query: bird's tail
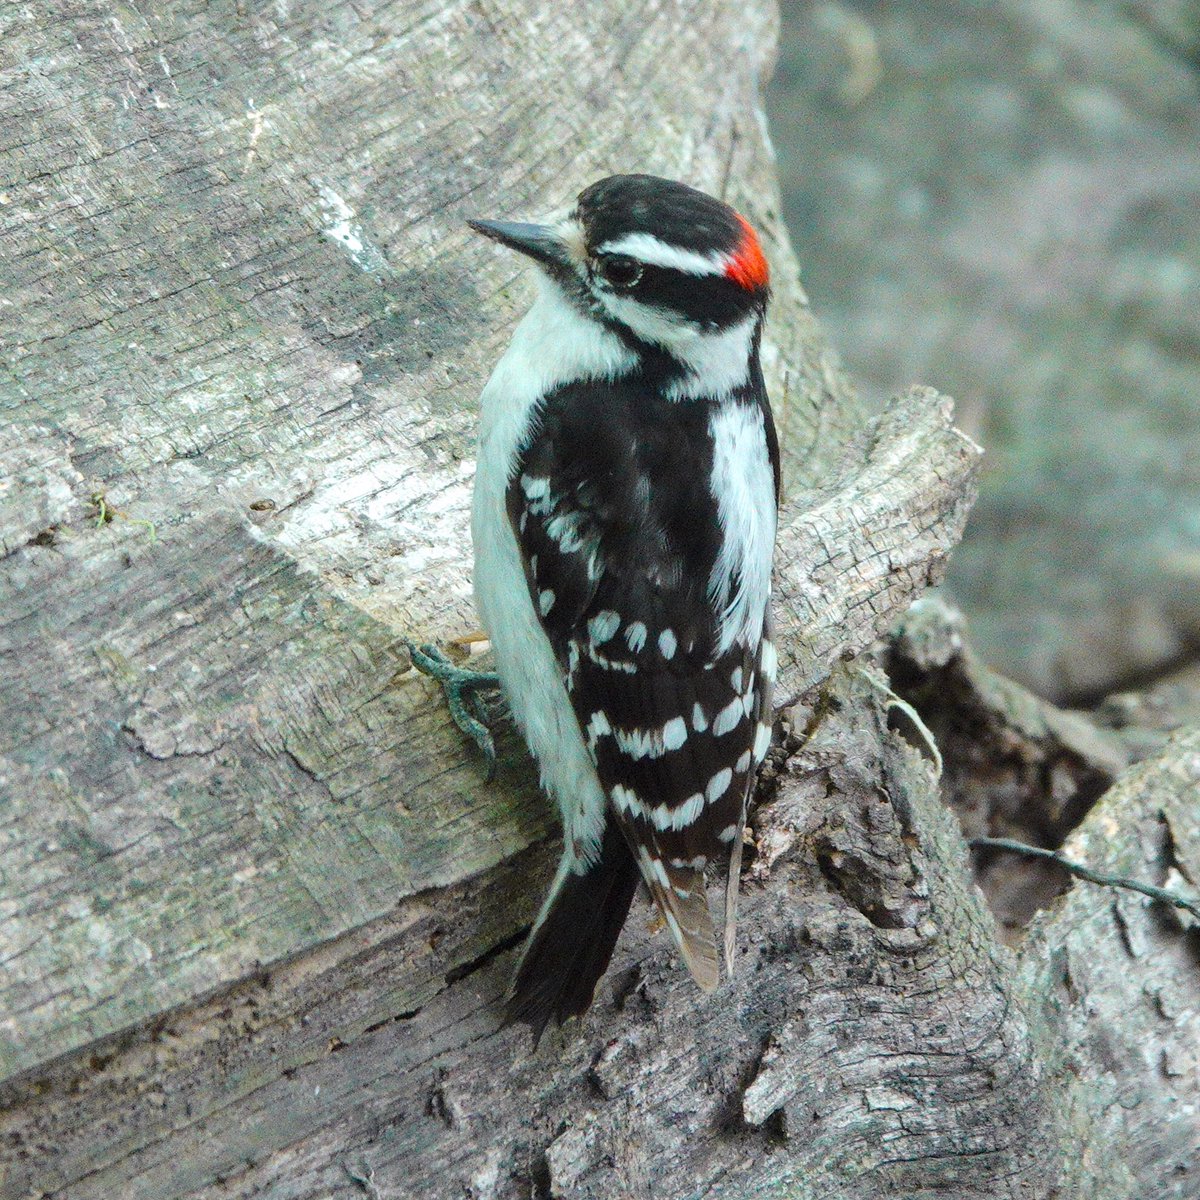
(573, 938)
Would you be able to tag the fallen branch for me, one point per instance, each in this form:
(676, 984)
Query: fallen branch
(1080, 871)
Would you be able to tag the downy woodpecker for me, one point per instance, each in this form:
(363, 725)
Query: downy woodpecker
(624, 522)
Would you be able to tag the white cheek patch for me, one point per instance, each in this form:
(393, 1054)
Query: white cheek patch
(716, 363)
(675, 333)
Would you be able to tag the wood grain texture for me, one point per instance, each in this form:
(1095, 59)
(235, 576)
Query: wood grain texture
(240, 303)
(224, 1073)
(877, 1040)
(257, 905)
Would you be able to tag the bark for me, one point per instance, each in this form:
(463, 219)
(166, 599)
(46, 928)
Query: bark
(257, 904)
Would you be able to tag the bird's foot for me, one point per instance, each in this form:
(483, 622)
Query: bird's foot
(462, 687)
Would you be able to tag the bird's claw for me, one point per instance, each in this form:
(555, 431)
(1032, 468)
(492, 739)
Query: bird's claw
(462, 687)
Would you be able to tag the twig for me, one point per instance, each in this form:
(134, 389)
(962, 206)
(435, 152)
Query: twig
(894, 703)
(1078, 869)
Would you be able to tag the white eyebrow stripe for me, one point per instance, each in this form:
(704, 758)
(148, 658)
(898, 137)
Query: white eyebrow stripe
(645, 247)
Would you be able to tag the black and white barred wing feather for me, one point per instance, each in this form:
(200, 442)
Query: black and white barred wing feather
(620, 573)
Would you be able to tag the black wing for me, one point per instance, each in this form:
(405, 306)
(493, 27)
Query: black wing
(619, 533)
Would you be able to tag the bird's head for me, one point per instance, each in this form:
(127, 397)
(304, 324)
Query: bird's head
(650, 258)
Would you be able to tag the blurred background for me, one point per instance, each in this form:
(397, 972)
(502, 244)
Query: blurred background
(1002, 200)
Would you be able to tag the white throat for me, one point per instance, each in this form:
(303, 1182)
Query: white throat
(553, 344)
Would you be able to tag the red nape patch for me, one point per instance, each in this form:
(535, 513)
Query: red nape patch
(747, 267)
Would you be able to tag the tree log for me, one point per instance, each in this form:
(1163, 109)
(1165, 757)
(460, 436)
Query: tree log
(257, 904)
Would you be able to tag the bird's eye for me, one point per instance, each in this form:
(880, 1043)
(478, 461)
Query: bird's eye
(619, 270)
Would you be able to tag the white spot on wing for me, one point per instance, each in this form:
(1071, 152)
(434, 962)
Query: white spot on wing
(639, 743)
(666, 816)
(627, 801)
(564, 529)
(728, 718)
(768, 660)
(651, 743)
(762, 741)
(718, 785)
(537, 494)
(699, 720)
(602, 626)
(545, 601)
(667, 644)
(597, 728)
(674, 733)
(610, 664)
(652, 867)
(635, 635)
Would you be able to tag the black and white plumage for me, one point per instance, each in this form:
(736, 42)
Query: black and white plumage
(624, 522)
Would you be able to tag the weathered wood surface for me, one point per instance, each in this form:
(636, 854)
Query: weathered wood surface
(1114, 973)
(217, 1071)
(257, 904)
(241, 303)
(878, 1039)
(240, 307)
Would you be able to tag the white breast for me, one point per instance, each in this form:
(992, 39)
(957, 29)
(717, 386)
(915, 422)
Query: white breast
(553, 344)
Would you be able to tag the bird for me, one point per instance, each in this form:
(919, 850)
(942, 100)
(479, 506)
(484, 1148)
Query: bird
(623, 521)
